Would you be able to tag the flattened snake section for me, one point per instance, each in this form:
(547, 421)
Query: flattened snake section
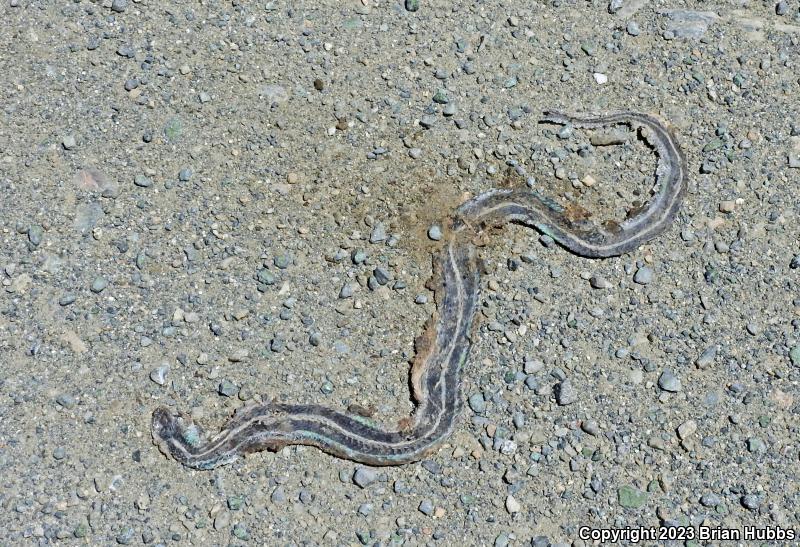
(444, 346)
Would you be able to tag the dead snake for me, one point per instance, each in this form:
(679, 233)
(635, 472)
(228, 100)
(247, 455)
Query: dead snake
(444, 346)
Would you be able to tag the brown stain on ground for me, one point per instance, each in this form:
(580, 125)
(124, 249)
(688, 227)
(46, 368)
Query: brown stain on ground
(433, 200)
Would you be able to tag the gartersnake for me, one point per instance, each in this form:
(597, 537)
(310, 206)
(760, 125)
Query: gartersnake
(443, 347)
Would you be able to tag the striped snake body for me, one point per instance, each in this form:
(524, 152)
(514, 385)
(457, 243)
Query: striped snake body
(444, 346)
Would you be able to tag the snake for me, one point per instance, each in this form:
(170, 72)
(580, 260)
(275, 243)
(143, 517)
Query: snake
(441, 351)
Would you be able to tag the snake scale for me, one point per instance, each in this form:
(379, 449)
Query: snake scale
(443, 348)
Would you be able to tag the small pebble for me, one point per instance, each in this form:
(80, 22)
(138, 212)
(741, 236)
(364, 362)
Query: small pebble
(754, 444)
(669, 382)
(66, 400)
(68, 142)
(426, 507)
(282, 261)
(378, 233)
(227, 388)
(435, 233)
(707, 357)
(382, 275)
(512, 505)
(364, 476)
(142, 181)
(428, 121)
(278, 495)
(532, 366)
(35, 234)
(630, 497)
(643, 276)
(346, 290)
(751, 502)
(159, 374)
(591, 427)
(687, 429)
(477, 403)
(99, 284)
(599, 282)
(794, 355)
(565, 393)
(710, 500)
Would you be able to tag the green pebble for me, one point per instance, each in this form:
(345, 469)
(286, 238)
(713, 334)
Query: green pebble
(510, 82)
(81, 530)
(794, 355)
(227, 388)
(630, 497)
(467, 499)
(412, 5)
(754, 444)
(265, 276)
(173, 129)
(241, 532)
(441, 97)
(99, 284)
(282, 261)
(352, 23)
(713, 145)
(191, 435)
(235, 502)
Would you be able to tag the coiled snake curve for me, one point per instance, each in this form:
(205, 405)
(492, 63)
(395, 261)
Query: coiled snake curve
(443, 347)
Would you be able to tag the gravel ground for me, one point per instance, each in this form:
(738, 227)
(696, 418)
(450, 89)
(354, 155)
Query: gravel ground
(195, 196)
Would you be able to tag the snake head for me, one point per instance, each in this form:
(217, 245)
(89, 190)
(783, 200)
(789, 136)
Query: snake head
(165, 424)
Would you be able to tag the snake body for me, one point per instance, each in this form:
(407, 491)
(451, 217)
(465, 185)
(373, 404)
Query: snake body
(444, 346)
